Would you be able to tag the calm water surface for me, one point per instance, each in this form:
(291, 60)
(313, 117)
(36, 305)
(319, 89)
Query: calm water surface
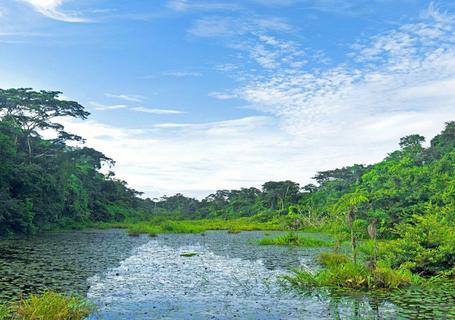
(229, 278)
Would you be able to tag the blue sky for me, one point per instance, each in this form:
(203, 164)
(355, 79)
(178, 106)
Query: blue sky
(192, 96)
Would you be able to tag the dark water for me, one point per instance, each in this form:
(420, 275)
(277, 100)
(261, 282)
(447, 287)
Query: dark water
(62, 260)
(229, 278)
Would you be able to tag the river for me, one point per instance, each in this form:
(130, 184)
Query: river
(230, 277)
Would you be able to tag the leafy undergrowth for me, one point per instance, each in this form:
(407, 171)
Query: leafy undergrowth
(47, 306)
(340, 272)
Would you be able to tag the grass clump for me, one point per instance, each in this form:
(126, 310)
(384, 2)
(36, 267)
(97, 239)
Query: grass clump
(49, 305)
(328, 259)
(293, 239)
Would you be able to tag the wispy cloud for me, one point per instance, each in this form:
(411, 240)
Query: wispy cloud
(103, 107)
(391, 85)
(51, 9)
(156, 111)
(182, 74)
(127, 97)
(186, 5)
(222, 26)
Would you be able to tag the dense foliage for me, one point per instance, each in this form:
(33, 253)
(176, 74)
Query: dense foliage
(46, 182)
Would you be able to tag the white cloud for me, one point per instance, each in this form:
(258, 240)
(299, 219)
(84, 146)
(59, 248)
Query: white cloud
(193, 158)
(156, 111)
(51, 9)
(126, 97)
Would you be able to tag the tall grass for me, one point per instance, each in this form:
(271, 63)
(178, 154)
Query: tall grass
(5, 311)
(293, 239)
(47, 306)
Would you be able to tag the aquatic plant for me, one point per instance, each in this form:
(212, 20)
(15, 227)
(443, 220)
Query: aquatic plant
(352, 276)
(293, 239)
(188, 254)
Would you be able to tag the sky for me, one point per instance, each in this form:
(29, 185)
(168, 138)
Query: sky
(193, 96)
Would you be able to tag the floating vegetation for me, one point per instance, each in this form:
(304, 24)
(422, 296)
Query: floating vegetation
(188, 254)
(293, 239)
(233, 231)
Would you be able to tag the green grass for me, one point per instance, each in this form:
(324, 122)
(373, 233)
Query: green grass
(159, 226)
(293, 239)
(5, 311)
(47, 306)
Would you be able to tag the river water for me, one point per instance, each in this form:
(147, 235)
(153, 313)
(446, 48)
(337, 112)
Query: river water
(230, 277)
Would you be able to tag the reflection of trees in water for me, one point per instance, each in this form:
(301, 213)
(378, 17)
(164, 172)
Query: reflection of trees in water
(350, 305)
(361, 306)
(428, 302)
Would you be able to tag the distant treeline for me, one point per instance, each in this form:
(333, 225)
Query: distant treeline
(410, 181)
(47, 183)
